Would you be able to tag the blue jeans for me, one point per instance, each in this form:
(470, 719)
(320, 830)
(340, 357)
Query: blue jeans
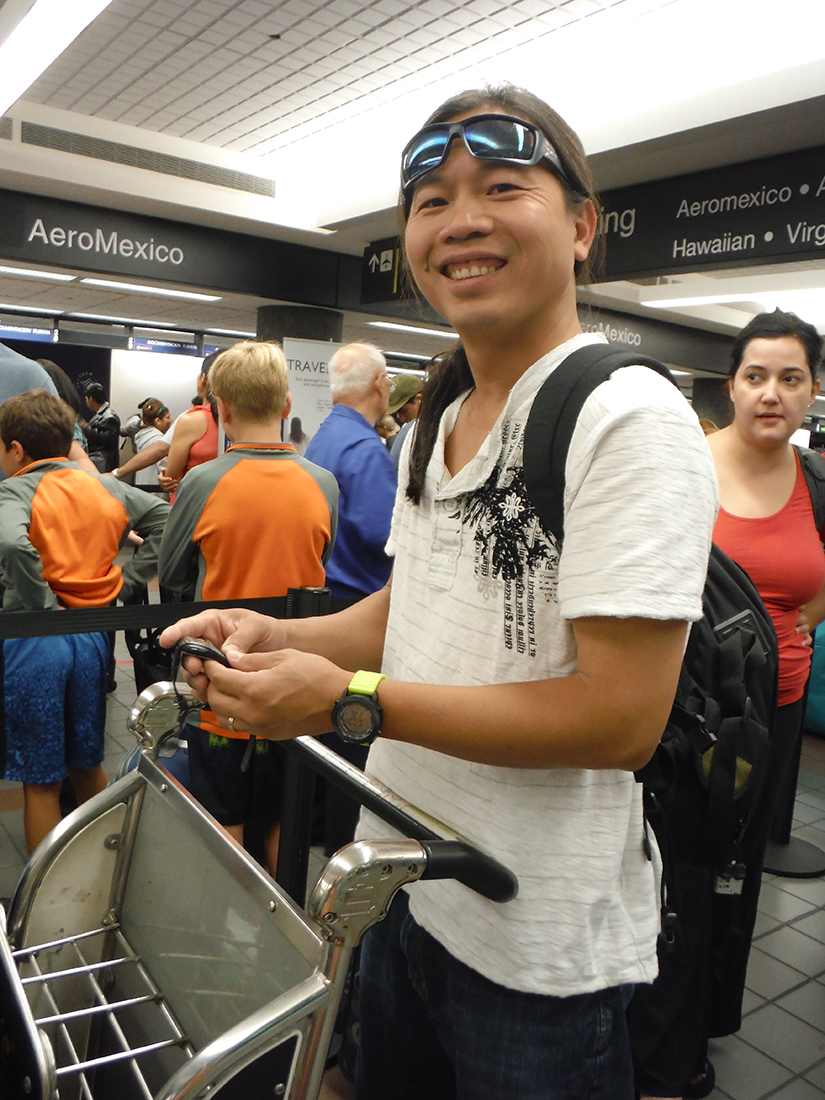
(434, 1029)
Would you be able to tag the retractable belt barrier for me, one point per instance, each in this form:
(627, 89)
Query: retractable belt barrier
(299, 603)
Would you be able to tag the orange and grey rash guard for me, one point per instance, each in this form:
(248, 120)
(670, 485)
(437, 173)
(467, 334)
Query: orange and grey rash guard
(256, 521)
(60, 532)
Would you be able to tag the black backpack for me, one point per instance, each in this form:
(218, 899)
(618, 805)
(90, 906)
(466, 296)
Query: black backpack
(708, 770)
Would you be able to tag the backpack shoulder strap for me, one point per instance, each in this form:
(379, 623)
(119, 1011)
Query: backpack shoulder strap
(553, 418)
(813, 467)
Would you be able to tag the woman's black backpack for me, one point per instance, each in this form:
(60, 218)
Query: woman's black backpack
(708, 770)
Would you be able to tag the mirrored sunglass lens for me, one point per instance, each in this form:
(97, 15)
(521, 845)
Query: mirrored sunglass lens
(500, 138)
(426, 154)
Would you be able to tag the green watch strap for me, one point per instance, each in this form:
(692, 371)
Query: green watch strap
(365, 683)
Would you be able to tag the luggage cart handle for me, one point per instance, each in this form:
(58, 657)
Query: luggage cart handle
(447, 854)
(356, 886)
(159, 710)
(459, 860)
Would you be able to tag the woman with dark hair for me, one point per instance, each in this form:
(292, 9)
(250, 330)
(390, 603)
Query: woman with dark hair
(516, 683)
(66, 391)
(155, 422)
(765, 511)
(297, 436)
(196, 433)
(766, 506)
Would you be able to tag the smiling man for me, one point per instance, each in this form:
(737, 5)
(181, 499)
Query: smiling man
(520, 681)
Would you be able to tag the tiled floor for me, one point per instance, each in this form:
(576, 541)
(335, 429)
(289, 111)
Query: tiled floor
(780, 1051)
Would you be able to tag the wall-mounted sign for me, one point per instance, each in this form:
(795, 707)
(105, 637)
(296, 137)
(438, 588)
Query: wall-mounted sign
(170, 347)
(37, 229)
(381, 272)
(23, 332)
(679, 345)
(308, 364)
(762, 212)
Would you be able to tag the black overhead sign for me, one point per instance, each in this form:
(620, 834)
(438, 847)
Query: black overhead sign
(58, 233)
(679, 345)
(382, 276)
(763, 212)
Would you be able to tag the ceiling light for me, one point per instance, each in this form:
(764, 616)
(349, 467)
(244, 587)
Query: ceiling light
(47, 29)
(40, 311)
(229, 332)
(406, 357)
(698, 300)
(140, 288)
(28, 273)
(118, 320)
(413, 330)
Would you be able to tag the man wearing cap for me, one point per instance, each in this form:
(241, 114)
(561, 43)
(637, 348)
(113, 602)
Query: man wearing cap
(405, 401)
(348, 445)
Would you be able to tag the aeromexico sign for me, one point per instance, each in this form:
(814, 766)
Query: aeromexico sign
(84, 240)
(766, 211)
(55, 232)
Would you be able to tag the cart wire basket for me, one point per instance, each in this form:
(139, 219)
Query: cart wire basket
(146, 955)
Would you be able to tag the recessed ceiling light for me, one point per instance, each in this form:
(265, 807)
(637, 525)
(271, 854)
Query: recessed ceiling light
(117, 320)
(412, 329)
(697, 300)
(27, 273)
(140, 288)
(40, 311)
(45, 31)
(229, 332)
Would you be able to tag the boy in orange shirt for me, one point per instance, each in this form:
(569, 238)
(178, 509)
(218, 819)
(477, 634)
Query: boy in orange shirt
(255, 521)
(60, 531)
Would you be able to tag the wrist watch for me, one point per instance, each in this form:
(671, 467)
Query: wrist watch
(357, 715)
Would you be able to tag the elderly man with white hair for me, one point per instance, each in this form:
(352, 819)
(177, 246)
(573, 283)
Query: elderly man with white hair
(348, 446)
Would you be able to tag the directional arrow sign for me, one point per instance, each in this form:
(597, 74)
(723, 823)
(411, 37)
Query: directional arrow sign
(381, 272)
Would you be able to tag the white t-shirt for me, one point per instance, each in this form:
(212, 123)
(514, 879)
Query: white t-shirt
(480, 596)
(143, 439)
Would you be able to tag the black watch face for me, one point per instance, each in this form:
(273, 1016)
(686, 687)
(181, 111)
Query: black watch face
(356, 717)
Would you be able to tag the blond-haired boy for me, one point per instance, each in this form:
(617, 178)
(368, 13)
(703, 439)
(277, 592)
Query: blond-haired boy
(256, 521)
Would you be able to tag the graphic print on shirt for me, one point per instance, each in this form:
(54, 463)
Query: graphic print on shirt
(511, 548)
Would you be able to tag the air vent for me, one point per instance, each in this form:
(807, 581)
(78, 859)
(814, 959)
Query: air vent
(82, 145)
(6, 127)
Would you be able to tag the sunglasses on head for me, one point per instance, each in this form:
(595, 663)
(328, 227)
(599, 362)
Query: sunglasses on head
(502, 138)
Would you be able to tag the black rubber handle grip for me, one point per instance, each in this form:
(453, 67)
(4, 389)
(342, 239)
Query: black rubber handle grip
(461, 861)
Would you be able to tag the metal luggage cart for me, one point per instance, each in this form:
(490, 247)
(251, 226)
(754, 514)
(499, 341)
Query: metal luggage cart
(148, 956)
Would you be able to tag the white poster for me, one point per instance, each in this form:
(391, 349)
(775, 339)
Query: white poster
(308, 362)
(137, 375)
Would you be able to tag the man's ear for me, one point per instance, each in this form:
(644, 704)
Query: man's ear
(585, 225)
(287, 409)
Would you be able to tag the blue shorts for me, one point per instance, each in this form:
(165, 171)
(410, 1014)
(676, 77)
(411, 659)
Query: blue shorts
(53, 704)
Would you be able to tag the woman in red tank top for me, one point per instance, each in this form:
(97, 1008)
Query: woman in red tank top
(196, 435)
(766, 525)
(765, 521)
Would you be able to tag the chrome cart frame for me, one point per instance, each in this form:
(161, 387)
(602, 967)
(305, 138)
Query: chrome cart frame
(148, 956)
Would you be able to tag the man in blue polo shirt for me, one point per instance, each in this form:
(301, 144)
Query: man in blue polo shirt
(348, 445)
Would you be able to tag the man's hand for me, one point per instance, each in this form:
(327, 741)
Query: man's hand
(276, 695)
(235, 631)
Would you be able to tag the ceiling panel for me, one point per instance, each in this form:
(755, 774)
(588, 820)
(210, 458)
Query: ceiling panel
(195, 69)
